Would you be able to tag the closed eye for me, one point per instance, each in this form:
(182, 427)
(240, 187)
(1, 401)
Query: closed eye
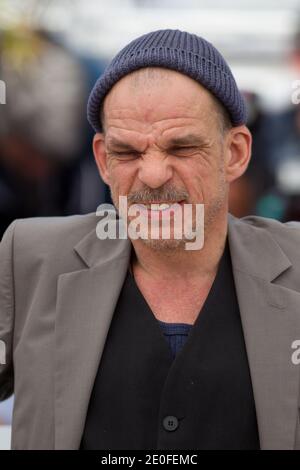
(125, 154)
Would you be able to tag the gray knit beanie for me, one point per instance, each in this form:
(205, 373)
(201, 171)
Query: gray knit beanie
(176, 50)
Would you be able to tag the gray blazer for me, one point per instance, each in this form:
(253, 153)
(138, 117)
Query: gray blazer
(59, 285)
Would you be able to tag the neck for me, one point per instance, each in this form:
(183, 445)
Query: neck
(182, 264)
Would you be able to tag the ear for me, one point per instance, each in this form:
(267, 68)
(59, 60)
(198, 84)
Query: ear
(238, 152)
(101, 156)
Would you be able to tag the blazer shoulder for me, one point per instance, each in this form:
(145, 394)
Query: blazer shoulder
(286, 234)
(290, 228)
(42, 234)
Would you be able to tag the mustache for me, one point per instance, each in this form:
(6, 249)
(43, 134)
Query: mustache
(148, 195)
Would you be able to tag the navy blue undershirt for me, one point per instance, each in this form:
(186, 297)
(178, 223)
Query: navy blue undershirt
(176, 334)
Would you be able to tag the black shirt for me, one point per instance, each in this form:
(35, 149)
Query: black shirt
(206, 389)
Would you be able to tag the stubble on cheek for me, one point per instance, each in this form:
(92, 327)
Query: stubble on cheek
(216, 203)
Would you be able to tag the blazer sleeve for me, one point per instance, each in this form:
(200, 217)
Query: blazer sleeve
(6, 312)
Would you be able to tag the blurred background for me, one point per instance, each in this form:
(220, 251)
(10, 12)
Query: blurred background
(52, 51)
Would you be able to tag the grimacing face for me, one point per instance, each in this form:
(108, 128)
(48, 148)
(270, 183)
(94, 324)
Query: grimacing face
(163, 142)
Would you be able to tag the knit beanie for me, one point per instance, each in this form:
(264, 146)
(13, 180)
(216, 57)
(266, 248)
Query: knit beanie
(181, 51)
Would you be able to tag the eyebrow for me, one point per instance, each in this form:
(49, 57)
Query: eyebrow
(114, 142)
(190, 139)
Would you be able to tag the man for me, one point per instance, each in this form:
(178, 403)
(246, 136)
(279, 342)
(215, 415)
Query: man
(141, 343)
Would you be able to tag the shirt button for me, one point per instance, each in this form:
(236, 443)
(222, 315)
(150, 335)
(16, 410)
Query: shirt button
(170, 423)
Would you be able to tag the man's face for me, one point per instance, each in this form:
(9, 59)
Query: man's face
(163, 143)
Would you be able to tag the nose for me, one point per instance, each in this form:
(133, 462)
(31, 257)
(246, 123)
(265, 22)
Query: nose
(155, 170)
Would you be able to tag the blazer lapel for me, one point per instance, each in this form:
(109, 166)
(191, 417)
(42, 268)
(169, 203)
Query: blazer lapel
(270, 320)
(85, 305)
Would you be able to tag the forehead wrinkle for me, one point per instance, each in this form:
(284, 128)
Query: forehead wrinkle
(144, 134)
(192, 102)
(142, 113)
(186, 128)
(127, 123)
(128, 139)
